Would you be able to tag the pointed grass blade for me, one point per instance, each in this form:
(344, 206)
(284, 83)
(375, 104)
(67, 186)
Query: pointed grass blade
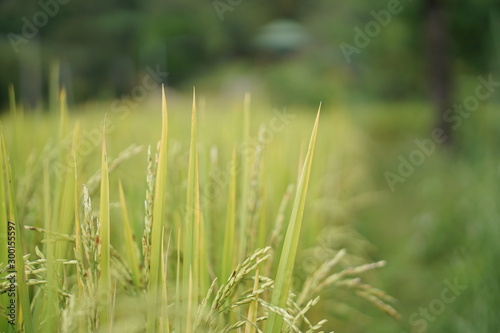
(245, 186)
(159, 209)
(192, 251)
(104, 262)
(288, 253)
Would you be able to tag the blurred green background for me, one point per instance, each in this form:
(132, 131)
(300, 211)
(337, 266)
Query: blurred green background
(291, 49)
(440, 224)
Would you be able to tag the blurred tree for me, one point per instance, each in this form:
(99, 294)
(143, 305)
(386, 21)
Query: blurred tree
(105, 46)
(440, 75)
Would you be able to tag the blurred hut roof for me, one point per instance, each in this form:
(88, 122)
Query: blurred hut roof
(281, 36)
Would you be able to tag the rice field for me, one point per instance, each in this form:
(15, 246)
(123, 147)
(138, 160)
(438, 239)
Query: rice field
(204, 216)
(200, 225)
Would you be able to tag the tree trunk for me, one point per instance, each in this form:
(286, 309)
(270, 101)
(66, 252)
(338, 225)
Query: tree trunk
(439, 62)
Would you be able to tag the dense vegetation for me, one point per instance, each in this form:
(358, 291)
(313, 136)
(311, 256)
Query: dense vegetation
(197, 243)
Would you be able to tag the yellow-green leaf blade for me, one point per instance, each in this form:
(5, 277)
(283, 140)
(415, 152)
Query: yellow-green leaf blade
(288, 253)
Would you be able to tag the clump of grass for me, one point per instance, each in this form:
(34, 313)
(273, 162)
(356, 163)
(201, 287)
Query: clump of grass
(94, 285)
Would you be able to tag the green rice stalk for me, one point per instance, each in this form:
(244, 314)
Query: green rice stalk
(189, 303)
(132, 254)
(60, 220)
(288, 254)
(245, 163)
(276, 234)
(262, 223)
(204, 256)
(228, 256)
(63, 209)
(254, 198)
(148, 215)
(164, 321)
(80, 320)
(104, 286)
(51, 303)
(178, 305)
(66, 209)
(90, 240)
(159, 210)
(192, 249)
(252, 309)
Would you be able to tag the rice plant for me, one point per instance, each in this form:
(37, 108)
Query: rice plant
(185, 262)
